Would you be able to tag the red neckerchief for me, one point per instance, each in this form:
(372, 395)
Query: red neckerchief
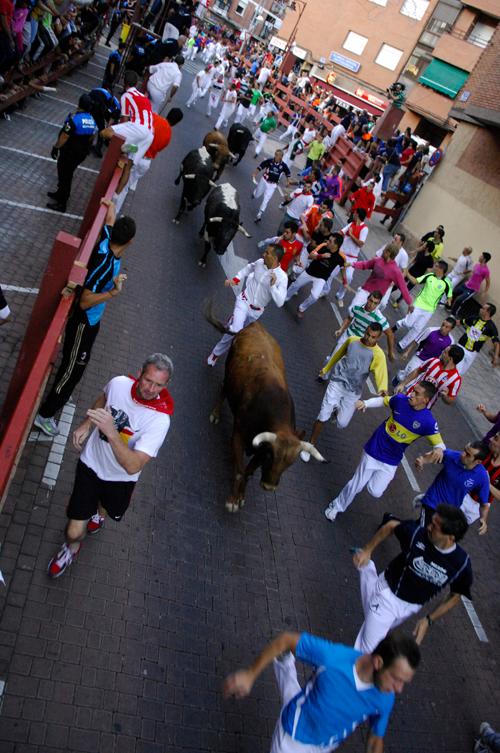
(164, 403)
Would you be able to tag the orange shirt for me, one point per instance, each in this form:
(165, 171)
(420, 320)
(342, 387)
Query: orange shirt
(161, 139)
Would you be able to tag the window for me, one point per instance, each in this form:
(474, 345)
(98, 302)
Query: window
(355, 43)
(481, 34)
(419, 59)
(414, 9)
(389, 57)
(241, 7)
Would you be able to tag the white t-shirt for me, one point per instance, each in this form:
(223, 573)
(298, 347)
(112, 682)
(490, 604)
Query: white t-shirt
(165, 75)
(140, 428)
(401, 259)
(300, 203)
(263, 76)
(348, 246)
(464, 264)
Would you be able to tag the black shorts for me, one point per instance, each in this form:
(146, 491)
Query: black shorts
(89, 490)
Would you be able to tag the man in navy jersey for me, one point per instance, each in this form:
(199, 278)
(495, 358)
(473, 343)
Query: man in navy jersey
(346, 689)
(430, 559)
(272, 169)
(103, 282)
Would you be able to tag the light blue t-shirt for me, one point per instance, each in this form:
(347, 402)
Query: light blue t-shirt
(454, 481)
(330, 707)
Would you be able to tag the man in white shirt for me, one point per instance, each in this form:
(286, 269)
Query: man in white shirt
(266, 281)
(229, 100)
(401, 260)
(462, 268)
(201, 84)
(164, 82)
(130, 420)
(263, 77)
(334, 135)
(300, 201)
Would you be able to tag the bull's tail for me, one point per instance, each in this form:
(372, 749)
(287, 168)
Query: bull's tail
(211, 318)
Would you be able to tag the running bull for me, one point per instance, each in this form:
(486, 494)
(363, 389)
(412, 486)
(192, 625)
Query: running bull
(238, 139)
(216, 143)
(264, 415)
(222, 220)
(196, 172)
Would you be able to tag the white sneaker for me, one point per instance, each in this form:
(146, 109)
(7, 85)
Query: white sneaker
(340, 303)
(47, 425)
(212, 359)
(305, 456)
(331, 511)
(416, 501)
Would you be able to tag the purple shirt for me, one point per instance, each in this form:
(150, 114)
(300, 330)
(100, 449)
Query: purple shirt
(433, 345)
(480, 272)
(331, 188)
(494, 429)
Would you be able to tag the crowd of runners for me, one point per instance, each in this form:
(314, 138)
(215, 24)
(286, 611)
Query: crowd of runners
(129, 421)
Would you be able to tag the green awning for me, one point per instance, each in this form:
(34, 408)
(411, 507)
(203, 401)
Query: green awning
(444, 78)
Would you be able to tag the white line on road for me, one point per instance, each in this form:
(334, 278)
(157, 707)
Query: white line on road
(410, 475)
(17, 289)
(70, 83)
(58, 99)
(37, 120)
(56, 454)
(21, 205)
(42, 156)
(97, 65)
(90, 75)
(476, 622)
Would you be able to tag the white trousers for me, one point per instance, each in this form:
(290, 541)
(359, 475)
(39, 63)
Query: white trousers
(385, 299)
(285, 672)
(241, 317)
(137, 135)
(467, 361)
(137, 172)
(414, 363)
(470, 509)
(289, 133)
(304, 279)
(242, 113)
(266, 190)
(196, 92)
(157, 96)
(190, 53)
(261, 140)
(328, 284)
(349, 273)
(338, 397)
(213, 100)
(360, 298)
(382, 609)
(227, 110)
(416, 321)
(373, 474)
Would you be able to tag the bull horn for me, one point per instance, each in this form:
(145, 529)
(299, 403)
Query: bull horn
(215, 219)
(233, 156)
(264, 436)
(245, 232)
(311, 449)
(214, 146)
(211, 183)
(189, 177)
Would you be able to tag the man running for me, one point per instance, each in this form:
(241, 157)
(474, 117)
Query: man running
(355, 235)
(478, 330)
(434, 285)
(352, 364)
(272, 169)
(265, 281)
(430, 560)
(346, 689)
(442, 372)
(410, 419)
(323, 260)
(429, 344)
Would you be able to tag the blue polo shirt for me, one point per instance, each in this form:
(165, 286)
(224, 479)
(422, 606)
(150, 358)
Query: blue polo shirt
(454, 481)
(103, 268)
(334, 701)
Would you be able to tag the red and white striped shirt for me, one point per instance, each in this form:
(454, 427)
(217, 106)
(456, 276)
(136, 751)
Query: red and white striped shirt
(137, 107)
(447, 381)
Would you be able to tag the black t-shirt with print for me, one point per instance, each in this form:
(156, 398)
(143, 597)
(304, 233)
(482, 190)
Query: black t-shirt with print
(421, 571)
(323, 268)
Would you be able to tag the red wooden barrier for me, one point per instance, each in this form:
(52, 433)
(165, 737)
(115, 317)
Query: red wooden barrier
(65, 270)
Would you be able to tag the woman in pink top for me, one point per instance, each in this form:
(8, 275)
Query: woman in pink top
(385, 272)
(467, 289)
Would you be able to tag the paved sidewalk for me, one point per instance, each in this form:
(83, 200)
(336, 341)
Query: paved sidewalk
(127, 651)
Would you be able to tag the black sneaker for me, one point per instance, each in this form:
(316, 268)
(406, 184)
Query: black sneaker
(57, 207)
(52, 194)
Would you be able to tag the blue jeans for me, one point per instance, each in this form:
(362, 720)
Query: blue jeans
(461, 295)
(388, 173)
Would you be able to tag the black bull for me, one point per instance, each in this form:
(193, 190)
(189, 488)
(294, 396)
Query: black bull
(238, 139)
(222, 220)
(196, 171)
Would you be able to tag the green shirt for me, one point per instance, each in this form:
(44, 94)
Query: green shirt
(268, 124)
(361, 318)
(316, 150)
(433, 290)
(256, 96)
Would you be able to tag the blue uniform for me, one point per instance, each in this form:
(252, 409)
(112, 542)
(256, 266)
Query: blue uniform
(405, 425)
(454, 481)
(334, 701)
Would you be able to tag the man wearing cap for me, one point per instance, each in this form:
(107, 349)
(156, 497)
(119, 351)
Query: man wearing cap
(71, 148)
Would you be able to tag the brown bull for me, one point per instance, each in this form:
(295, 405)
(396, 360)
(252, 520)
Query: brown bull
(216, 144)
(264, 415)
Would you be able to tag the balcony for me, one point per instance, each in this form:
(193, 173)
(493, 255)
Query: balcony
(221, 7)
(456, 50)
(279, 8)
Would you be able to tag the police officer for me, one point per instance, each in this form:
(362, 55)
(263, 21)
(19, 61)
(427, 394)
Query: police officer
(113, 67)
(105, 107)
(71, 148)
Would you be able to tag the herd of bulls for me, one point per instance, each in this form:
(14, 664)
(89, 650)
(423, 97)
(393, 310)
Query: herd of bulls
(255, 383)
(199, 170)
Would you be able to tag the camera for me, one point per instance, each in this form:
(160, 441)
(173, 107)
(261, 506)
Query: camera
(396, 88)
